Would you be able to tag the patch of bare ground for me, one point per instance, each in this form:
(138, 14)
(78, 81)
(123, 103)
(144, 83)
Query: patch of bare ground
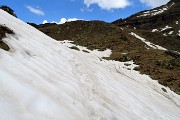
(3, 31)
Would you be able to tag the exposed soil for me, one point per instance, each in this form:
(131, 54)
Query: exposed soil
(3, 31)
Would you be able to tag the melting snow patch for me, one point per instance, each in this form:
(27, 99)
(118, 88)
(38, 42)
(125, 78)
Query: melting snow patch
(129, 65)
(159, 11)
(155, 11)
(143, 15)
(147, 42)
(124, 53)
(172, 4)
(178, 33)
(171, 32)
(100, 54)
(165, 28)
(177, 22)
(155, 30)
(164, 34)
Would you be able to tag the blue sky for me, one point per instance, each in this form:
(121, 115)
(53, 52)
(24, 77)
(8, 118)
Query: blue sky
(37, 11)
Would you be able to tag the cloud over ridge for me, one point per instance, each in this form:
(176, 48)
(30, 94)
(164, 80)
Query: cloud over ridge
(62, 20)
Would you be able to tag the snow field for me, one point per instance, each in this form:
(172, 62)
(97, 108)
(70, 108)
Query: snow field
(42, 79)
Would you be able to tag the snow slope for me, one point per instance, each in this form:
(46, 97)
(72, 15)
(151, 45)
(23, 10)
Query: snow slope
(40, 79)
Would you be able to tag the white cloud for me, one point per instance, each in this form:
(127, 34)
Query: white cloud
(62, 20)
(45, 21)
(154, 3)
(35, 10)
(108, 4)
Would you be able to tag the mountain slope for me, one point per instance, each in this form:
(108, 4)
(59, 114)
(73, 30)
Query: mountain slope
(153, 18)
(125, 47)
(159, 25)
(42, 79)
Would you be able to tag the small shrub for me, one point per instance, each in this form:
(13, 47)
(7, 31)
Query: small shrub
(168, 64)
(137, 68)
(85, 51)
(127, 64)
(101, 49)
(163, 89)
(4, 46)
(75, 48)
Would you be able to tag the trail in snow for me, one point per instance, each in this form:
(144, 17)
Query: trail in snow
(41, 79)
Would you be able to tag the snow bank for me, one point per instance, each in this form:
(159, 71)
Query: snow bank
(155, 30)
(177, 22)
(147, 42)
(178, 33)
(100, 54)
(165, 28)
(41, 79)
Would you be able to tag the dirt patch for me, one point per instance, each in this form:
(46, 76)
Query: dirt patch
(3, 31)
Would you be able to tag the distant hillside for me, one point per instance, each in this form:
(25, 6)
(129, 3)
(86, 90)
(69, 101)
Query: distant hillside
(154, 18)
(160, 25)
